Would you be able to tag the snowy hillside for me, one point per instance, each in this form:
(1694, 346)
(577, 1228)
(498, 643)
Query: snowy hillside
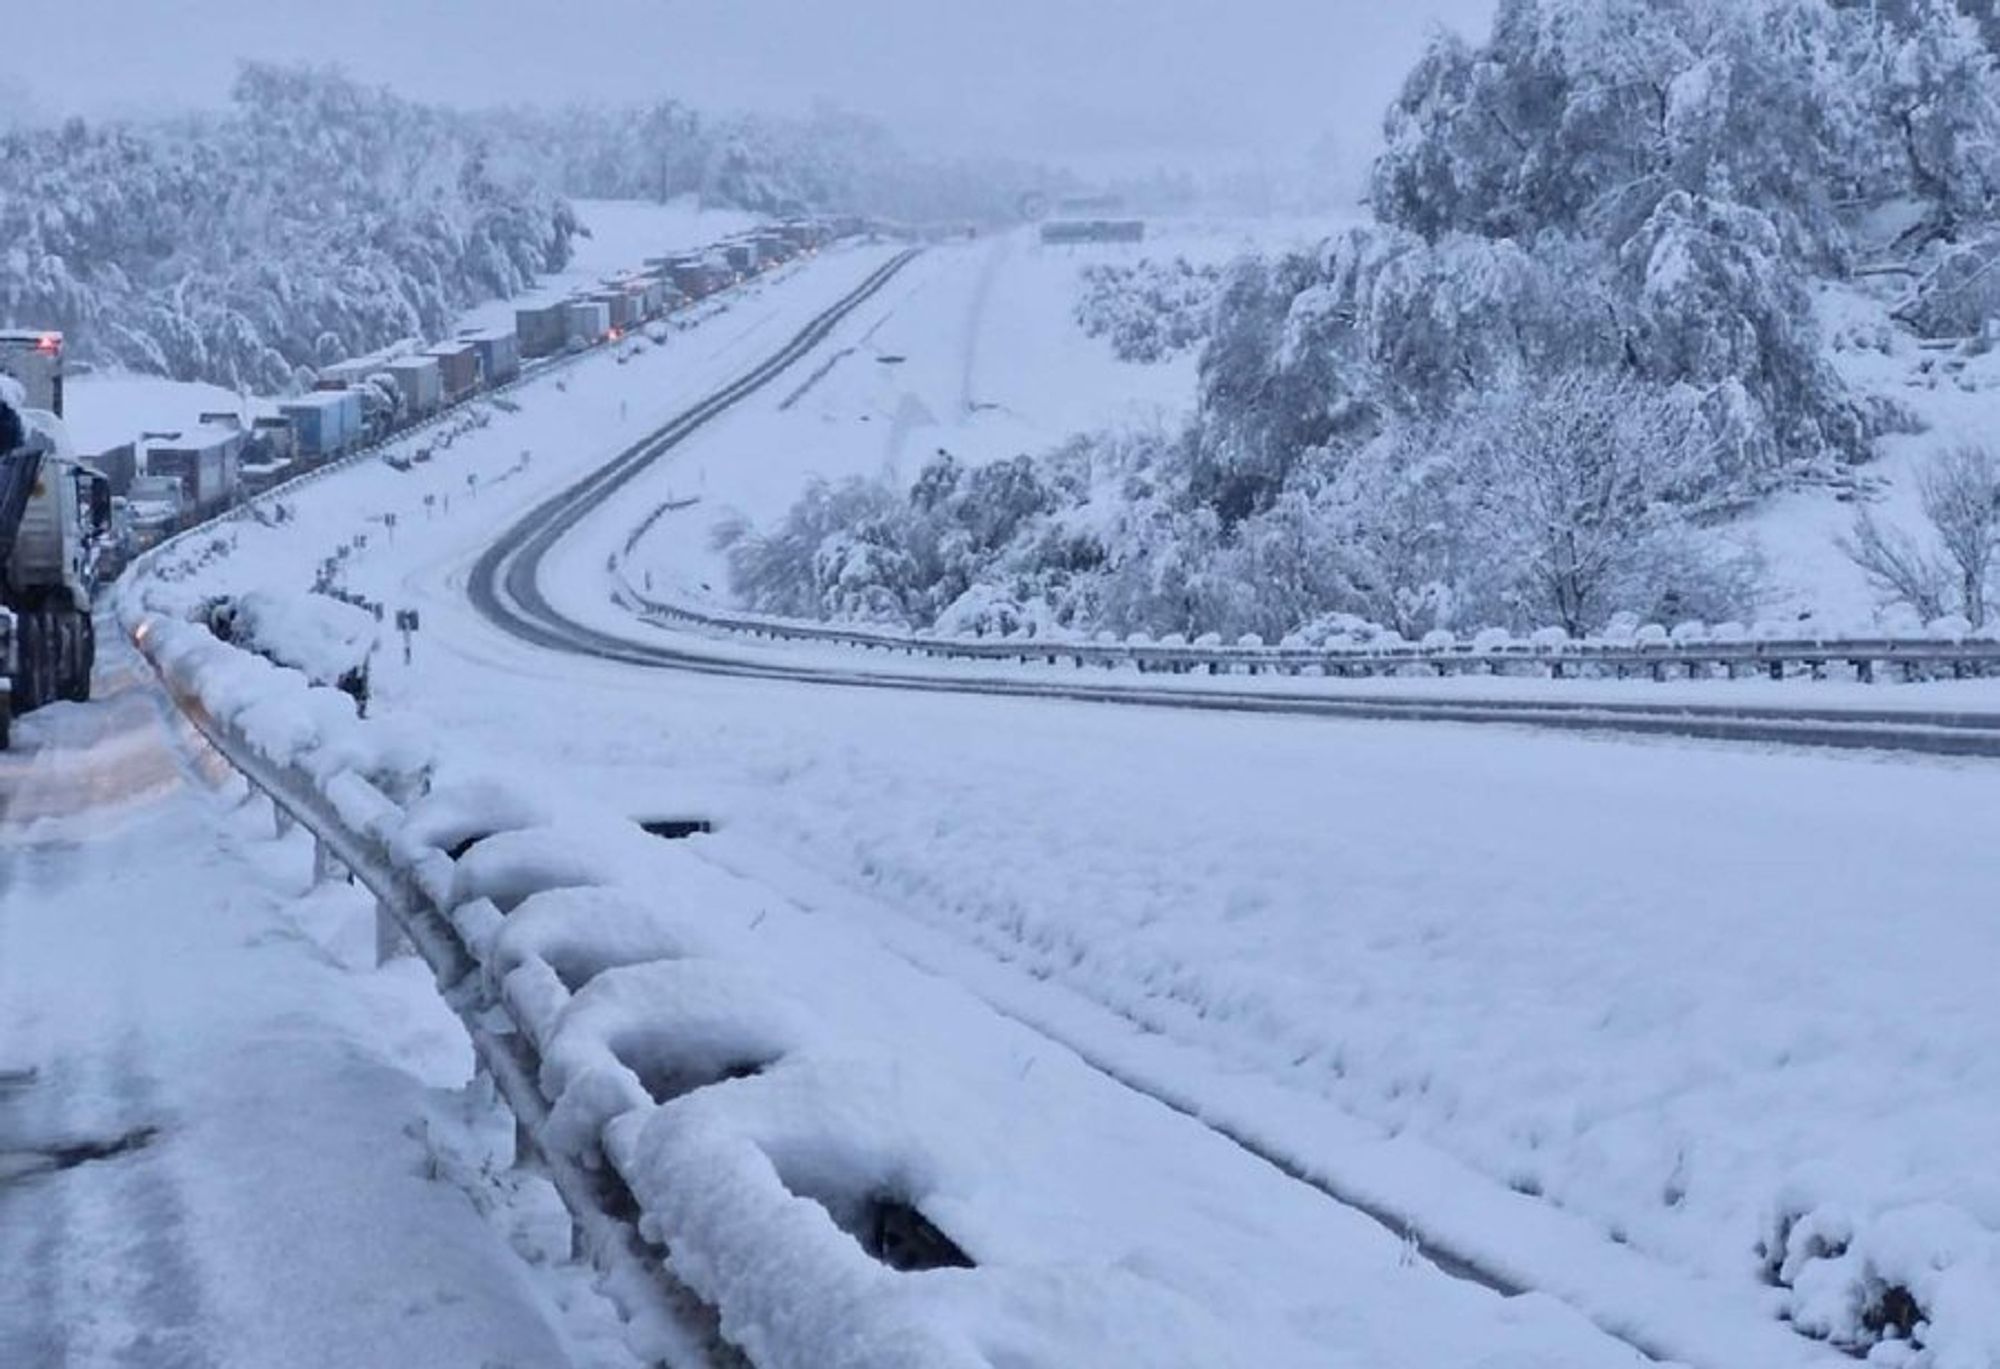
(1573, 365)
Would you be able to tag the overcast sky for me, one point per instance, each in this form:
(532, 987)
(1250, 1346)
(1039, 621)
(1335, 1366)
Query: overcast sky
(1214, 82)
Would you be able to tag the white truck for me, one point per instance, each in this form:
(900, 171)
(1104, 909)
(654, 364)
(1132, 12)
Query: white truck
(55, 523)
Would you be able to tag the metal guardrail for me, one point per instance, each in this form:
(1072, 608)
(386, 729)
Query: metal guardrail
(1778, 658)
(602, 1209)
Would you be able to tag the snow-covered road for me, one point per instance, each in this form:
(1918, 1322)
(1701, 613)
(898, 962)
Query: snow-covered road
(222, 1130)
(1600, 1012)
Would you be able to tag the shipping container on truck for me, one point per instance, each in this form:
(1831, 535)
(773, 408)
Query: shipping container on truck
(205, 461)
(1067, 232)
(543, 329)
(805, 234)
(618, 307)
(328, 423)
(499, 354)
(589, 322)
(35, 358)
(119, 464)
(648, 296)
(421, 380)
(458, 363)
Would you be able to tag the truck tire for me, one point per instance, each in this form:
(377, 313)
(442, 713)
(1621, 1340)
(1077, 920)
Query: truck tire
(31, 685)
(79, 637)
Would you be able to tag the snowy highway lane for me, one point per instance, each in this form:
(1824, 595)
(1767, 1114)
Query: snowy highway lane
(226, 1140)
(1598, 1011)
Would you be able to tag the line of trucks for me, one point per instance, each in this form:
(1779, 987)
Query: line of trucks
(68, 524)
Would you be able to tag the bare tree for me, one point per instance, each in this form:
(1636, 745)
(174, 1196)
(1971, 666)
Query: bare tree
(1897, 566)
(1583, 475)
(1960, 490)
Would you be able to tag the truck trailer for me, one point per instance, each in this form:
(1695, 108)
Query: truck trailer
(499, 354)
(543, 329)
(328, 423)
(421, 380)
(206, 462)
(55, 527)
(459, 364)
(34, 358)
(589, 322)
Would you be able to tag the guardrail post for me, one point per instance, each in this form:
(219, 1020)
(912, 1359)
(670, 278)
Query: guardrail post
(325, 866)
(389, 939)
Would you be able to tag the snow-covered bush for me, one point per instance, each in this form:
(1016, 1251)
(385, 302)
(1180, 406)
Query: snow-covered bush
(1148, 311)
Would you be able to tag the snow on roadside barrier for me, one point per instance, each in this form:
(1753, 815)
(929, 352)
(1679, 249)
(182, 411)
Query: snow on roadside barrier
(284, 717)
(320, 636)
(1911, 1285)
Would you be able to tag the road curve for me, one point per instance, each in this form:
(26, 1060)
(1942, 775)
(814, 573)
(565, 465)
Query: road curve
(504, 587)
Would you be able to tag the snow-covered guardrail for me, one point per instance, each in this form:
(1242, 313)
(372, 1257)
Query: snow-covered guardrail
(751, 1177)
(361, 788)
(1721, 652)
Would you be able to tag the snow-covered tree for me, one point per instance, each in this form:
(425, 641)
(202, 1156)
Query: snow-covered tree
(317, 219)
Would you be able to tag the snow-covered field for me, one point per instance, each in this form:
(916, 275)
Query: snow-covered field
(1588, 1007)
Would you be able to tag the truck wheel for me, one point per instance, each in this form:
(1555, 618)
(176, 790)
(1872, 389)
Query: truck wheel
(30, 685)
(79, 639)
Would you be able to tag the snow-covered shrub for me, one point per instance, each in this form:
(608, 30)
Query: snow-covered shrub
(1148, 311)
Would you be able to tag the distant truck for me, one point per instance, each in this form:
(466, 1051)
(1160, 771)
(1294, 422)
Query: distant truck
(34, 358)
(326, 423)
(206, 461)
(499, 354)
(1068, 232)
(421, 380)
(589, 322)
(542, 329)
(460, 365)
